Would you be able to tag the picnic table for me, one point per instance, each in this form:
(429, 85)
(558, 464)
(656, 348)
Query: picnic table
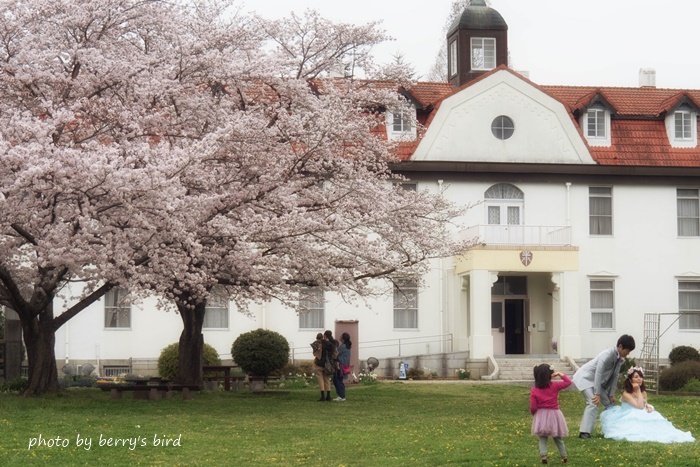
(230, 381)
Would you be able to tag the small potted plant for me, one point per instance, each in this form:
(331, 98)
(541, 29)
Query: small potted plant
(555, 346)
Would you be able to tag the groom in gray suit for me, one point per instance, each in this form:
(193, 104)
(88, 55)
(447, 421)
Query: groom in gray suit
(597, 381)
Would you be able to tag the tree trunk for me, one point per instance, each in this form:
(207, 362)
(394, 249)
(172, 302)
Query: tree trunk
(191, 345)
(40, 340)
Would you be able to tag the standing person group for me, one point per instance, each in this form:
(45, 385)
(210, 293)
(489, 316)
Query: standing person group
(330, 361)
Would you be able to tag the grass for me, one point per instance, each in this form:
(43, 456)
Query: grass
(386, 424)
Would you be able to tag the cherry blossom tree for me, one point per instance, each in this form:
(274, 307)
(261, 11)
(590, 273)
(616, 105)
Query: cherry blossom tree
(295, 191)
(81, 179)
(173, 148)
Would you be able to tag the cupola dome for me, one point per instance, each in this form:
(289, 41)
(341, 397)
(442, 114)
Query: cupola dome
(477, 42)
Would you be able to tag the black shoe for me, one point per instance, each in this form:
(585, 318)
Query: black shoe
(544, 461)
(583, 435)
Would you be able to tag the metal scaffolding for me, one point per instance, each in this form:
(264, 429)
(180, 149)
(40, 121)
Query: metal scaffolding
(649, 358)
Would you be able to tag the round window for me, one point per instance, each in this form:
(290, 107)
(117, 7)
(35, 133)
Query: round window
(502, 127)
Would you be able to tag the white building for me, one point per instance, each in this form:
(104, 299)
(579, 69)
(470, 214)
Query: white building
(588, 219)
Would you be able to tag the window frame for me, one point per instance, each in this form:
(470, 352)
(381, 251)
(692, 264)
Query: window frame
(594, 311)
(312, 308)
(405, 304)
(220, 307)
(487, 44)
(688, 226)
(689, 319)
(452, 59)
(502, 200)
(407, 123)
(502, 127)
(686, 116)
(597, 134)
(685, 135)
(115, 305)
(591, 216)
(599, 129)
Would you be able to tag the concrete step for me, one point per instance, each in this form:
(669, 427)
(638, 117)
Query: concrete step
(511, 369)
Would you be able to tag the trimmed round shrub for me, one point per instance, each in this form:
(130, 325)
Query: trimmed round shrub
(683, 353)
(168, 360)
(260, 352)
(677, 376)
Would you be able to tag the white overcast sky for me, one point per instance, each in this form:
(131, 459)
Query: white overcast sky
(564, 42)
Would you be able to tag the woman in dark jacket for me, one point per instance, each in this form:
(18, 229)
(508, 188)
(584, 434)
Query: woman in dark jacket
(343, 360)
(327, 353)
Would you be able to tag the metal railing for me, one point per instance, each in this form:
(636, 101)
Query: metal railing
(540, 235)
(399, 344)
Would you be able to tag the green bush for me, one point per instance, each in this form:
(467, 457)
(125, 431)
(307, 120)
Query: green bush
(415, 373)
(692, 386)
(18, 384)
(683, 353)
(677, 376)
(168, 360)
(260, 352)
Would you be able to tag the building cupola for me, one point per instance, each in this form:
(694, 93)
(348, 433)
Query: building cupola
(477, 42)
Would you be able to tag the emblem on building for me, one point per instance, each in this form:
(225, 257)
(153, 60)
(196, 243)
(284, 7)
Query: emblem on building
(526, 257)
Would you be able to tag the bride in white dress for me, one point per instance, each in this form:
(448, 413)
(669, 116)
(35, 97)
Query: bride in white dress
(636, 420)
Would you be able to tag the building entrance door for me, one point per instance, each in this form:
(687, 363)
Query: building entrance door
(514, 318)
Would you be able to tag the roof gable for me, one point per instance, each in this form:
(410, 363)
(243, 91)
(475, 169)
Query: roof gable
(674, 102)
(544, 132)
(591, 99)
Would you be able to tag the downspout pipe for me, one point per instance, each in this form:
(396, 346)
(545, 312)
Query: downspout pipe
(441, 288)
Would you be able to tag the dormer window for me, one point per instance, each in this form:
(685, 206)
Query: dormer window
(483, 53)
(681, 126)
(596, 125)
(401, 123)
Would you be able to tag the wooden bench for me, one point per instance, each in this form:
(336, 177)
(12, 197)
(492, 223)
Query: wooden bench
(150, 391)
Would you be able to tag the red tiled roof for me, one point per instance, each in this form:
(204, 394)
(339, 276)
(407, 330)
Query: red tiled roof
(644, 143)
(638, 130)
(647, 102)
(429, 94)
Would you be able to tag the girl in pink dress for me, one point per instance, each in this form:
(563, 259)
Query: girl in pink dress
(544, 405)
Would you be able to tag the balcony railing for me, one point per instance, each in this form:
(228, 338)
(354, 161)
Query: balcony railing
(539, 235)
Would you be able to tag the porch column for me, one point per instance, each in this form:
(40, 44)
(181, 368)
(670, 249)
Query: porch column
(568, 314)
(458, 323)
(481, 342)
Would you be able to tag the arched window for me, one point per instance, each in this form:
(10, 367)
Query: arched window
(504, 204)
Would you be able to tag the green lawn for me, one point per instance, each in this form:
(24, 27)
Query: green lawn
(390, 423)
